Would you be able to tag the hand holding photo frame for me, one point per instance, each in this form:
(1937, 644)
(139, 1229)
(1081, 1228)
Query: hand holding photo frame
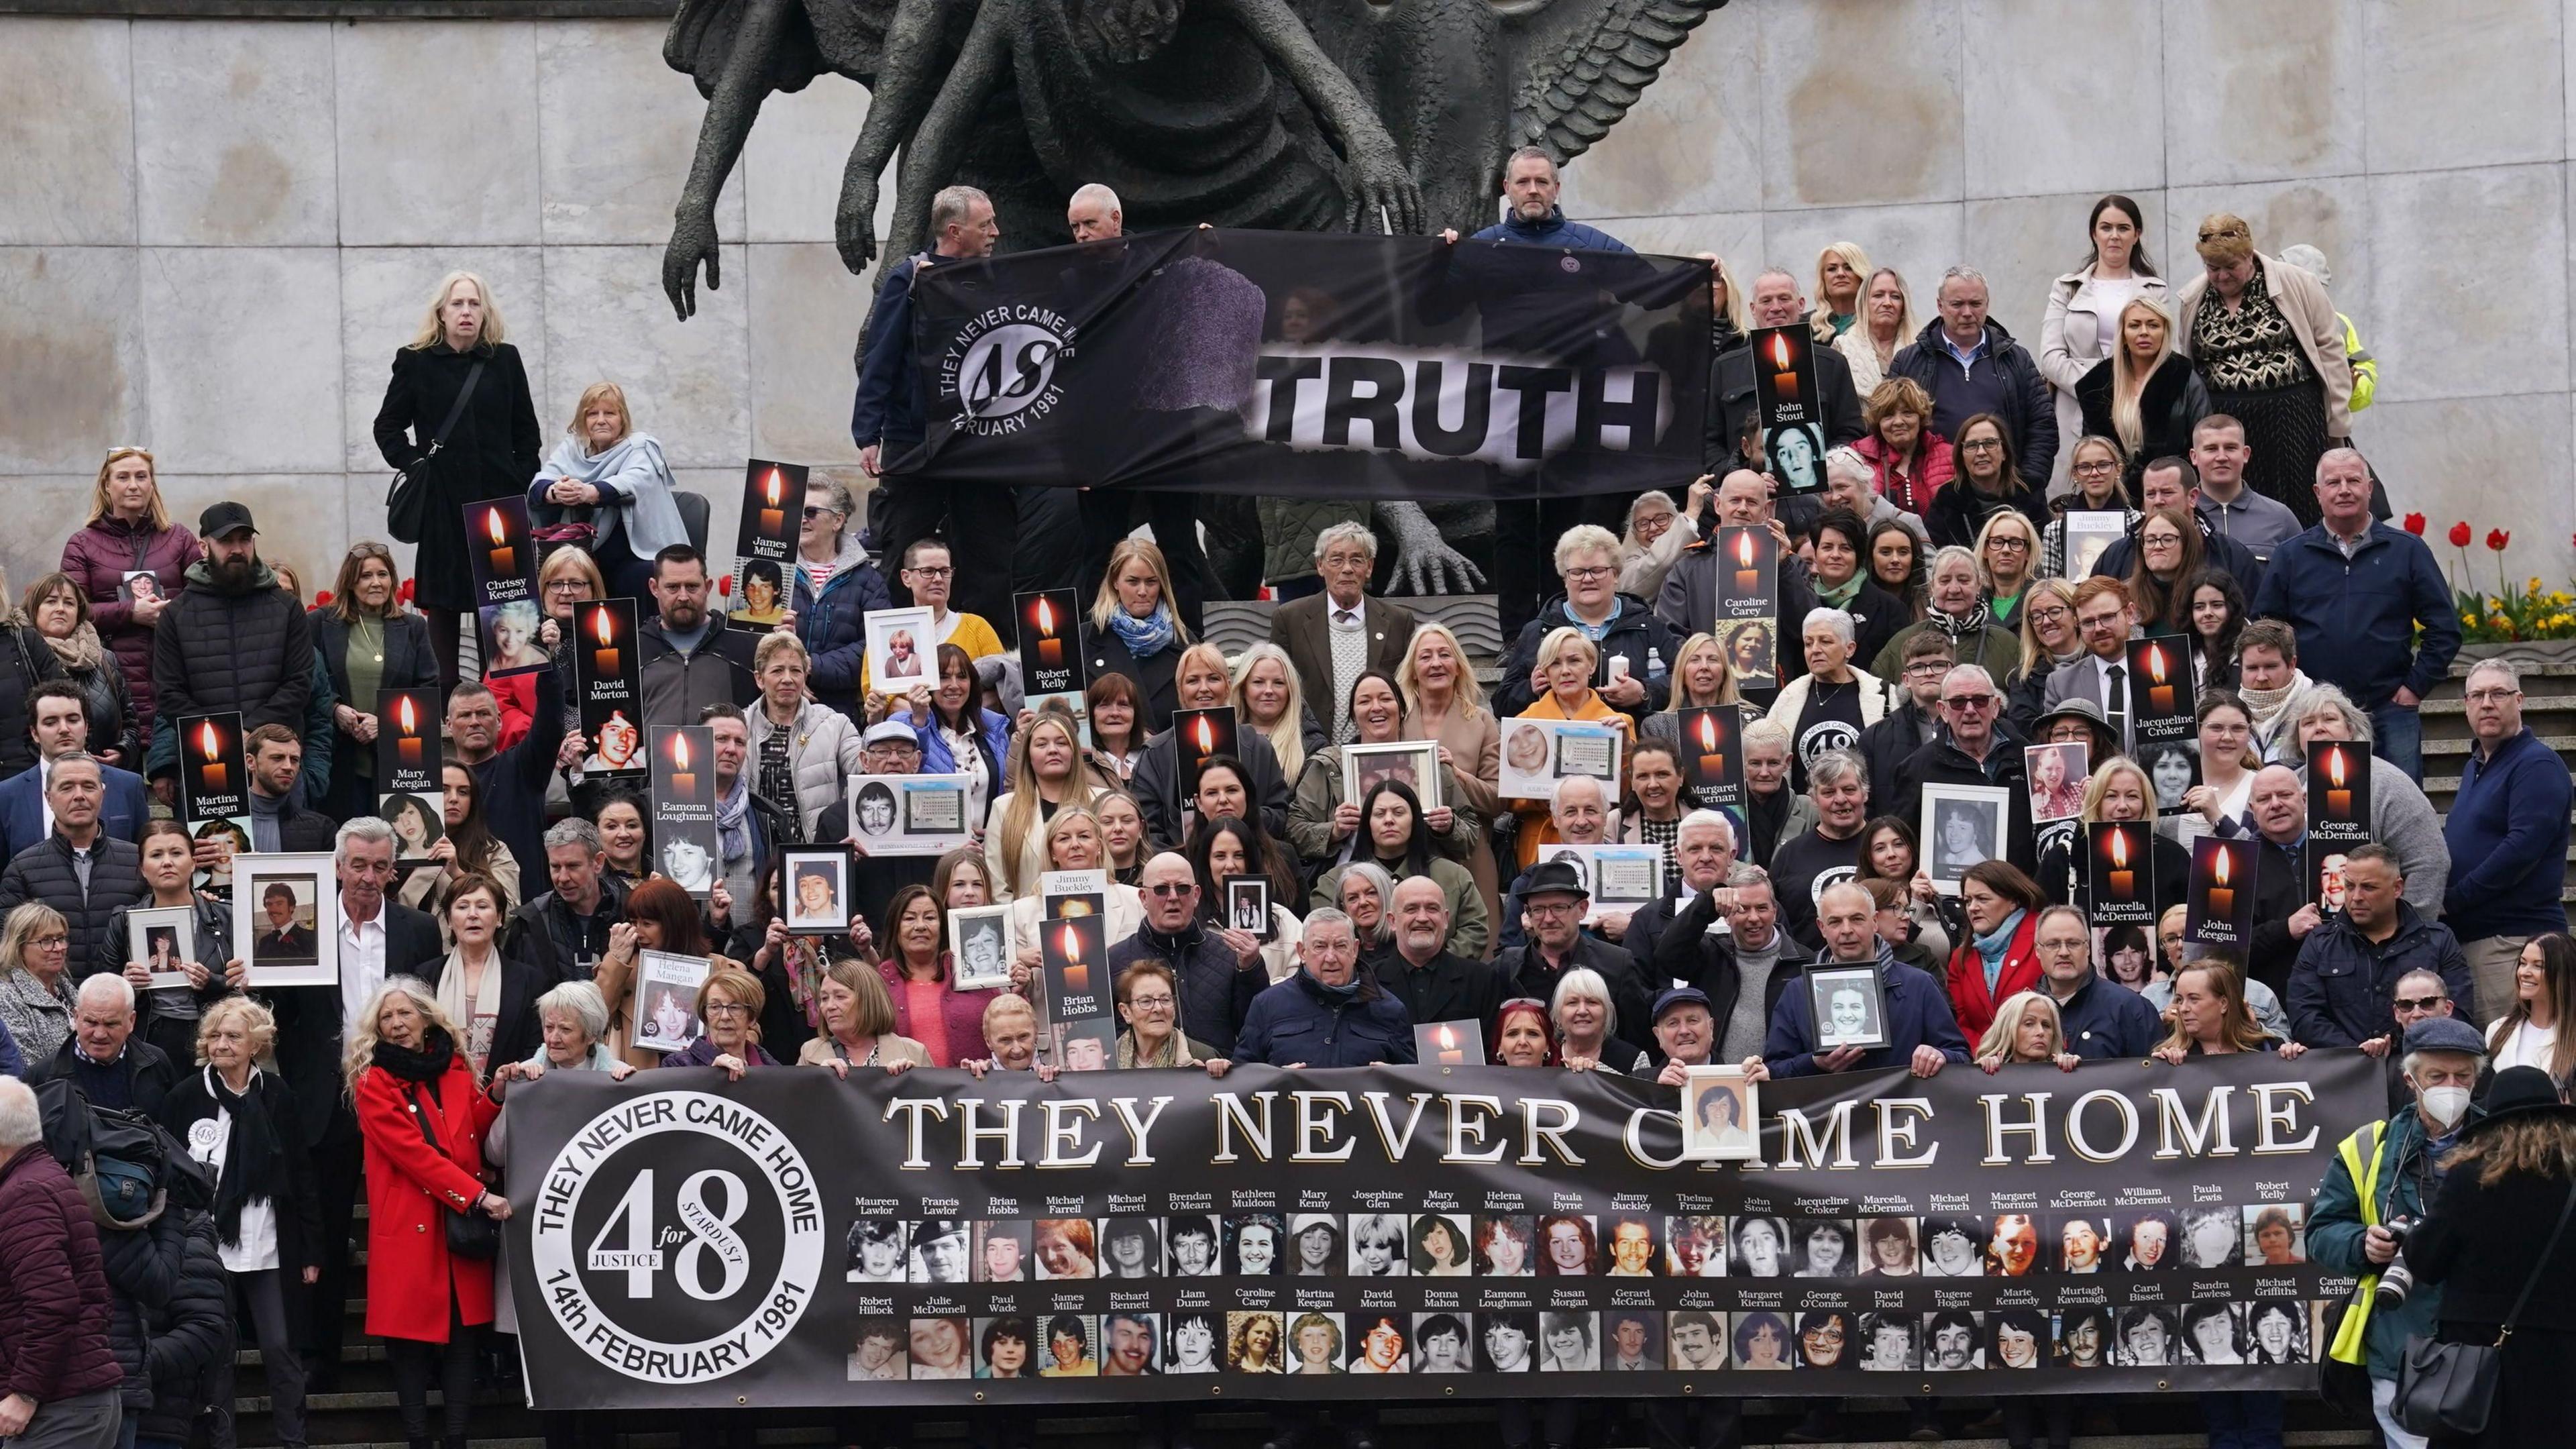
(818, 889)
(164, 939)
(1962, 826)
(979, 941)
(1720, 1113)
(1539, 752)
(1413, 763)
(666, 1000)
(1850, 1006)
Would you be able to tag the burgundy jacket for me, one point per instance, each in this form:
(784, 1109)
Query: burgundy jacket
(98, 558)
(54, 1301)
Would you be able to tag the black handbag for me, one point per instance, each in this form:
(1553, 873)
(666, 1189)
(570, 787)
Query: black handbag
(407, 498)
(2447, 1390)
(469, 1234)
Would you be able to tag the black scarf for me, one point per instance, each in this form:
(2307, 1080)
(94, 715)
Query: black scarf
(1766, 814)
(424, 1066)
(250, 1153)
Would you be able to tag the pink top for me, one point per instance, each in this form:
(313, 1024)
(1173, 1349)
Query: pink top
(929, 1026)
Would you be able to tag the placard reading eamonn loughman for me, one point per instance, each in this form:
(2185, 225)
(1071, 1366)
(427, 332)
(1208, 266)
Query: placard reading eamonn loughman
(797, 1239)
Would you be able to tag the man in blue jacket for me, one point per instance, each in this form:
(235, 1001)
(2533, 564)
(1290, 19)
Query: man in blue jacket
(58, 722)
(1331, 1013)
(2508, 837)
(2343, 989)
(2102, 1020)
(2357, 590)
(1922, 1034)
(890, 417)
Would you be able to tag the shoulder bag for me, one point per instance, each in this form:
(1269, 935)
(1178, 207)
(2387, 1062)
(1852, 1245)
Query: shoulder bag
(2447, 1390)
(407, 498)
(469, 1234)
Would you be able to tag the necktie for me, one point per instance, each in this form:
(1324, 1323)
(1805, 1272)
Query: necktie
(2117, 706)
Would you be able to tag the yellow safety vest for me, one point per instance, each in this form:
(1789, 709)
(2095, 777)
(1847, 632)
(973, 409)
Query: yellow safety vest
(2360, 1153)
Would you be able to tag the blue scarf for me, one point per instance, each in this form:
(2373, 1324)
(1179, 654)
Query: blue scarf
(1991, 947)
(733, 821)
(1148, 636)
(1347, 992)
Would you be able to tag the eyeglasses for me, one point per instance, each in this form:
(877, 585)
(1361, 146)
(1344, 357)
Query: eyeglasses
(567, 586)
(1970, 701)
(1167, 889)
(2098, 467)
(1981, 445)
(727, 1008)
(2008, 540)
(2056, 615)
(49, 943)
(1549, 910)
(1587, 575)
(2493, 696)
(1926, 669)
(1149, 1003)
(812, 512)
(940, 572)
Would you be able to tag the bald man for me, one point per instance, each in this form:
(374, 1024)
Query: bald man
(1434, 982)
(1216, 971)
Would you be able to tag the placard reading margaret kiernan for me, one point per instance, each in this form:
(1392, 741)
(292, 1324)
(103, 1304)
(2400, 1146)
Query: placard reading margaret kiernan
(1471, 370)
(685, 1242)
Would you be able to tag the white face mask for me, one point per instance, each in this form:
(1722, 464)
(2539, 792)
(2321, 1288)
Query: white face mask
(2444, 1106)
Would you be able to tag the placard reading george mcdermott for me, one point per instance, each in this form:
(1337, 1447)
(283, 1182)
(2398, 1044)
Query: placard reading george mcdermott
(686, 1237)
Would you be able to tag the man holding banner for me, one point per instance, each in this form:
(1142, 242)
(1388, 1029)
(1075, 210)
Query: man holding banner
(1922, 1034)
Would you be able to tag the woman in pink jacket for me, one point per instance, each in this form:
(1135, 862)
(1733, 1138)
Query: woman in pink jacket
(129, 558)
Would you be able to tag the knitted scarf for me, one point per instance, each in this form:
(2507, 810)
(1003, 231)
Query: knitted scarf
(81, 651)
(1148, 636)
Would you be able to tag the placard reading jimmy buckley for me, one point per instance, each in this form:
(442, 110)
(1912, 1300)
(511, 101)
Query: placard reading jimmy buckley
(685, 1242)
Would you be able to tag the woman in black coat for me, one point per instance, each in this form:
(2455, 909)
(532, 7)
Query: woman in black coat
(365, 614)
(1132, 630)
(492, 453)
(2171, 401)
(2502, 1193)
(25, 658)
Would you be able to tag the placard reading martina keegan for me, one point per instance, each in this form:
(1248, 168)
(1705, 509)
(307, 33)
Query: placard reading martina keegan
(930, 1238)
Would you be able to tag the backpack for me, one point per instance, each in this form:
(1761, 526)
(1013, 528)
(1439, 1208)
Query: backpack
(116, 1158)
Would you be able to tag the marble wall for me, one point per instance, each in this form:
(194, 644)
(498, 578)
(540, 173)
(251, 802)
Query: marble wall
(214, 234)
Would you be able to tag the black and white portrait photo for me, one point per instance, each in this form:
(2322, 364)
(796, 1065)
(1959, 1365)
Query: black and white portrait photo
(941, 1250)
(1850, 1005)
(874, 808)
(981, 938)
(1962, 825)
(2172, 769)
(875, 1251)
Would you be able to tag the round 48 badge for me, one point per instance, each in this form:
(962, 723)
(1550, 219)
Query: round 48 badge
(678, 1237)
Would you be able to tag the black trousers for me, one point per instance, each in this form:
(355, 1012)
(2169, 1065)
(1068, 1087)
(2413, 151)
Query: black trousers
(416, 1362)
(980, 523)
(443, 636)
(339, 1164)
(1108, 515)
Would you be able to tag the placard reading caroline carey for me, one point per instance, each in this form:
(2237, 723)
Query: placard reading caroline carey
(688, 1242)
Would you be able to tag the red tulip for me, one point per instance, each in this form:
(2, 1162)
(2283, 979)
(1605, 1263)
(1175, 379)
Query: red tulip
(2459, 535)
(322, 598)
(406, 590)
(724, 587)
(2415, 524)
(2497, 538)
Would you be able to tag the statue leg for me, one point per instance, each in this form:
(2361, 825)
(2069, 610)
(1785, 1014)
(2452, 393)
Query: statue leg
(931, 157)
(895, 104)
(730, 114)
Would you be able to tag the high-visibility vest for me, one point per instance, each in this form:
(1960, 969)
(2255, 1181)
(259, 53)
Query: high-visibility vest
(2360, 1153)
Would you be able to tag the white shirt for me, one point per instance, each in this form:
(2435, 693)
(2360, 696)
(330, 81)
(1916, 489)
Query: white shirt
(2527, 1046)
(210, 1140)
(362, 966)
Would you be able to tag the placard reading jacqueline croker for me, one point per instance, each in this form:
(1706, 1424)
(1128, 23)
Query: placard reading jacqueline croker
(685, 1242)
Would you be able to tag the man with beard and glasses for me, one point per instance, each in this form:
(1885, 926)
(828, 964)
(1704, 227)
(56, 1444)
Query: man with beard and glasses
(232, 640)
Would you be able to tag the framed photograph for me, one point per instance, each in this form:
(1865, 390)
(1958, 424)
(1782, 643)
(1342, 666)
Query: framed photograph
(2087, 535)
(2056, 774)
(1962, 825)
(910, 814)
(1622, 877)
(1851, 1006)
(980, 939)
(666, 1000)
(818, 889)
(1539, 752)
(287, 901)
(1415, 763)
(1719, 1116)
(162, 939)
(1247, 905)
(902, 650)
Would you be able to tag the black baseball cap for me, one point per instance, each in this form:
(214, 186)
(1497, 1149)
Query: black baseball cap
(225, 518)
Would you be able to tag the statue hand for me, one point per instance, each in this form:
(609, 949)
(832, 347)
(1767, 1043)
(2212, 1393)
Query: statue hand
(1378, 181)
(693, 240)
(1424, 561)
(854, 224)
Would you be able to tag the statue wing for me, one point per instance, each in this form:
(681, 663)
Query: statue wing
(1578, 65)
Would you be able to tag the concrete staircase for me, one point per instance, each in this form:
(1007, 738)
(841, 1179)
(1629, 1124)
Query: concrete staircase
(2548, 708)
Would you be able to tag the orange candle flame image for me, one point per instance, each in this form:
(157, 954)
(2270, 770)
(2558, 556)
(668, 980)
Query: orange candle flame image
(1744, 551)
(775, 488)
(1072, 942)
(1780, 352)
(1045, 617)
(1207, 736)
(1448, 1046)
(212, 777)
(2218, 868)
(1707, 732)
(2156, 663)
(680, 752)
(599, 626)
(2120, 849)
(208, 741)
(410, 717)
(492, 526)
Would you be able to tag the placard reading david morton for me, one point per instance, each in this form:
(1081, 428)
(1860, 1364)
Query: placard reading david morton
(682, 1189)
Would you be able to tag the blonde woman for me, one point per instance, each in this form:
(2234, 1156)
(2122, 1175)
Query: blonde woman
(2083, 320)
(2146, 393)
(1267, 699)
(1202, 680)
(490, 453)
(822, 750)
(858, 1025)
(1840, 268)
(1134, 627)
(422, 1118)
(2118, 791)
(2049, 642)
(2211, 1018)
(1073, 842)
(2026, 1029)
(1886, 325)
(613, 479)
(1046, 775)
(2098, 468)
(131, 560)
(1443, 702)
(1565, 666)
(2007, 552)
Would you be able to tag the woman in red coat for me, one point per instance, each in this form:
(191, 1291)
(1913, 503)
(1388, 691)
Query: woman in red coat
(1995, 958)
(410, 1085)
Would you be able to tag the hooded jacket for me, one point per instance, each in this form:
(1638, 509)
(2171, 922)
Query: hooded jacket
(218, 650)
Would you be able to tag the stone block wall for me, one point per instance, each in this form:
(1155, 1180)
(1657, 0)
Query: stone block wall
(214, 233)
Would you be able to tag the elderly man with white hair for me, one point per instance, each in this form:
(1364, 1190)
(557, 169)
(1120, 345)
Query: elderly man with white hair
(104, 1058)
(1333, 636)
(61, 1376)
(1579, 812)
(1704, 851)
(1978, 748)
(1835, 701)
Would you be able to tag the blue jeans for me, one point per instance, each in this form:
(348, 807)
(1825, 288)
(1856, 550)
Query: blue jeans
(2400, 741)
(2242, 1421)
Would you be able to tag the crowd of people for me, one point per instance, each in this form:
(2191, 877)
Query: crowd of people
(1940, 628)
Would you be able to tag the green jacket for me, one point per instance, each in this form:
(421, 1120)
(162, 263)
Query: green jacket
(2341, 1218)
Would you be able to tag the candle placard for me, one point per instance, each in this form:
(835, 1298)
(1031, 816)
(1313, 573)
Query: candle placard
(773, 507)
(2218, 909)
(1449, 1043)
(1050, 645)
(214, 778)
(2338, 815)
(499, 554)
(2164, 737)
(683, 792)
(410, 779)
(1746, 621)
(606, 670)
(1074, 955)
(2120, 878)
(1792, 416)
(1713, 754)
(1202, 734)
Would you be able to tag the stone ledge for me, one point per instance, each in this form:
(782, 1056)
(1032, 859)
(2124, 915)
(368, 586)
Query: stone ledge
(348, 9)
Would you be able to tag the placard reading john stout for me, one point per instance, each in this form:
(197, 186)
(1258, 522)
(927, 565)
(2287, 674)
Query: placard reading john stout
(685, 1242)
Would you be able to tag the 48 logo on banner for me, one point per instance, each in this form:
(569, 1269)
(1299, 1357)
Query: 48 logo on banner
(693, 1191)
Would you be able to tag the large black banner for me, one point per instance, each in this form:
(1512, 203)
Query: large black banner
(1297, 363)
(793, 1239)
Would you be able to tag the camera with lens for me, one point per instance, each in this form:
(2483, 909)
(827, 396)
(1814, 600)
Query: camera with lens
(2396, 1280)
